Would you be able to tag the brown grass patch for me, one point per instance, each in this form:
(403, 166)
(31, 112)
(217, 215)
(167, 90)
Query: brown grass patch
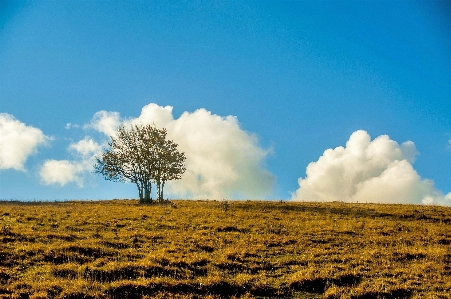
(121, 249)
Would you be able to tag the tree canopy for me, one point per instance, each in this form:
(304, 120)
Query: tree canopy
(141, 155)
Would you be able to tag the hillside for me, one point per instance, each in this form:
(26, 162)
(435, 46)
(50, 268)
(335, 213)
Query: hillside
(206, 249)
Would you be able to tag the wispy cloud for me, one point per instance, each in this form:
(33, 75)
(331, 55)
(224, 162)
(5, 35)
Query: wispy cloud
(17, 142)
(368, 171)
(71, 125)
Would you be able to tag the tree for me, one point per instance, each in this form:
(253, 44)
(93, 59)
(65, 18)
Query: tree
(170, 163)
(141, 155)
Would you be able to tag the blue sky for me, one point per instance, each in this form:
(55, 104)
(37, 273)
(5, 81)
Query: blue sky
(300, 77)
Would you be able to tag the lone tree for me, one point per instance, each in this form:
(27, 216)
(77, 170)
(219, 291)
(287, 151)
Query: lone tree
(141, 155)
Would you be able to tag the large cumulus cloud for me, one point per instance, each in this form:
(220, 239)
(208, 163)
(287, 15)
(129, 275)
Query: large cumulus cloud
(222, 159)
(366, 170)
(17, 142)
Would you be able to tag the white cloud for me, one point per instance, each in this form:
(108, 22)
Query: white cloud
(154, 114)
(222, 159)
(71, 125)
(368, 171)
(105, 122)
(86, 147)
(17, 142)
(62, 172)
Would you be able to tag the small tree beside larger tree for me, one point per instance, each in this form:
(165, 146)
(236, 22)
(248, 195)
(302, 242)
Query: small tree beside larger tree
(141, 155)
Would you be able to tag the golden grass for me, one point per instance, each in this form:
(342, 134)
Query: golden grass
(198, 249)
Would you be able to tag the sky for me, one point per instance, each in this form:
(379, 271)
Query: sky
(293, 100)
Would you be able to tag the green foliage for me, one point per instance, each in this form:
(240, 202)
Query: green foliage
(119, 249)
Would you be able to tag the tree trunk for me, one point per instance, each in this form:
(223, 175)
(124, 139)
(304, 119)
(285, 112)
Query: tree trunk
(140, 193)
(149, 196)
(162, 187)
(159, 190)
(147, 192)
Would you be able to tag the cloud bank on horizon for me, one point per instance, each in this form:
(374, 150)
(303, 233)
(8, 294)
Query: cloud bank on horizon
(365, 170)
(17, 142)
(222, 160)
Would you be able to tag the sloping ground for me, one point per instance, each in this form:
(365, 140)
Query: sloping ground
(205, 249)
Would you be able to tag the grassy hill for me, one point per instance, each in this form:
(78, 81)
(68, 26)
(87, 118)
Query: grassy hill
(206, 249)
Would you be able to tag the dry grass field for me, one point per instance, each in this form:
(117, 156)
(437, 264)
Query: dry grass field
(199, 249)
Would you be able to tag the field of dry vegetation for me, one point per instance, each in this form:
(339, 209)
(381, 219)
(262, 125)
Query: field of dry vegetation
(199, 249)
